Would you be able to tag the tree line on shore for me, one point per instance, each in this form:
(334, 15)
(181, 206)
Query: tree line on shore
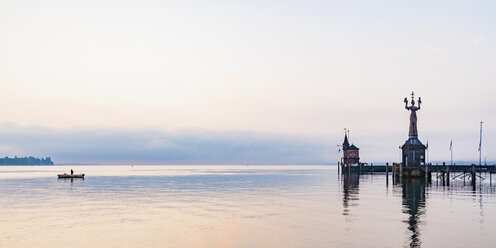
(25, 161)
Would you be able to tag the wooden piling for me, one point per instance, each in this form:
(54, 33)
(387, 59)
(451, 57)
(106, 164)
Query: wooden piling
(393, 171)
(426, 172)
(447, 167)
(447, 174)
(473, 175)
(437, 172)
(401, 167)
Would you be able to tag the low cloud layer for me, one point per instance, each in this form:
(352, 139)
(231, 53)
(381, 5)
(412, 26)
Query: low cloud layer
(141, 146)
(107, 146)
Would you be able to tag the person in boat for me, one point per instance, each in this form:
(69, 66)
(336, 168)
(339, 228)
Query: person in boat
(72, 172)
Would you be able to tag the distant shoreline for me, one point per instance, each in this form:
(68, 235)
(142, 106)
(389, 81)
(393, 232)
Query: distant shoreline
(26, 161)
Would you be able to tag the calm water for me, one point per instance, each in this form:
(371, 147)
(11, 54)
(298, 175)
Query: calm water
(238, 206)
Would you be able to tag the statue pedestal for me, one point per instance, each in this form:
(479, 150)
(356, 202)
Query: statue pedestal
(413, 153)
(410, 172)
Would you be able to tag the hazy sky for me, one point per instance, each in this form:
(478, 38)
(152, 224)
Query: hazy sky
(283, 76)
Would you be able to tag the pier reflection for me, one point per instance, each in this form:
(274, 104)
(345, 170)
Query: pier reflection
(413, 195)
(350, 191)
(413, 201)
(412, 226)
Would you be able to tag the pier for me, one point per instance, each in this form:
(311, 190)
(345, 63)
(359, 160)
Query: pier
(430, 168)
(444, 173)
(413, 160)
(413, 163)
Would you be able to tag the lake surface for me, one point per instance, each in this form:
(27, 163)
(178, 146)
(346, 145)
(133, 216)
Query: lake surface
(239, 206)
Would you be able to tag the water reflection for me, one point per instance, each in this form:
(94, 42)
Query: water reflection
(350, 191)
(413, 195)
(237, 206)
(413, 201)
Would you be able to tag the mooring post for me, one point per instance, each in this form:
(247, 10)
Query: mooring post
(473, 178)
(447, 173)
(443, 174)
(426, 172)
(387, 171)
(393, 171)
(401, 167)
(437, 171)
(338, 167)
(473, 175)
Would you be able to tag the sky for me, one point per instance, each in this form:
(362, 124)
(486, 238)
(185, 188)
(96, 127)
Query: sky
(178, 82)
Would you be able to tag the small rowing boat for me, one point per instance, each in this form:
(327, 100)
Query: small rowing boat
(65, 175)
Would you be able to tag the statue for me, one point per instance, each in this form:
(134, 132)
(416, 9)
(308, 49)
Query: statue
(413, 149)
(413, 116)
